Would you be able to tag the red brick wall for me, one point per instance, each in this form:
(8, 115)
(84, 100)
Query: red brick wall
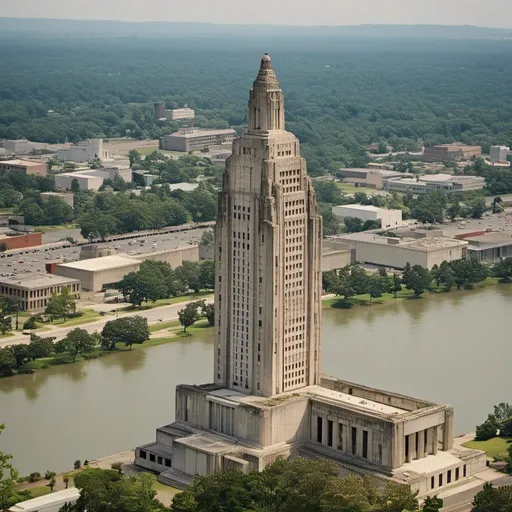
(22, 241)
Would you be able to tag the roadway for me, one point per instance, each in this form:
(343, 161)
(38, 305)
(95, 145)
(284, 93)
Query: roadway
(154, 316)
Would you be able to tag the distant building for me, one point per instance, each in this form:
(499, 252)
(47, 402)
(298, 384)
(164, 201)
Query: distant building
(191, 139)
(28, 167)
(387, 218)
(91, 179)
(397, 252)
(446, 182)
(499, 154)
(22, 146)
(489, 247)
(174, 114)
(84, 152)
(69, 199)
(451, 152)
(367, 177)
(16, 241)
(34, 292)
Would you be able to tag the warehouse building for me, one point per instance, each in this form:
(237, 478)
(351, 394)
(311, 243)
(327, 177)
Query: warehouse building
(91, 179)
(397, 252)
(97, 274)
(387, 218)
(28, 167)
(195, 139)
(451, 152)
(34, 292)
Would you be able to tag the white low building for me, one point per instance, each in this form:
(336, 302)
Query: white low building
(52, 502)
(387, 218)
(84, 152)
(397, 252)
(91, 179)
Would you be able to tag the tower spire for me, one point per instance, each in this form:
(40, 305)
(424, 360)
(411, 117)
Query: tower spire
(266, 104)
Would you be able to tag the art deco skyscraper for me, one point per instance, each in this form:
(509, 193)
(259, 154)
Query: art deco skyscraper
(268, 256)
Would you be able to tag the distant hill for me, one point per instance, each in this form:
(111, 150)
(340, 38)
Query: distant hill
(87, 28)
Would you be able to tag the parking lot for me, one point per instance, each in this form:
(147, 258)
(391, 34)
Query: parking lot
(28, 262)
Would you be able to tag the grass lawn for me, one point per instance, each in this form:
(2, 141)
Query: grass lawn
(364, 300)
(6, 335)
(164, 325)
(168, 302)
(165, 489)
(492, 447)
(39, 491)
(88, 316)
(147, 150)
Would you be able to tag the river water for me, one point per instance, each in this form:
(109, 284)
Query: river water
(453, 348)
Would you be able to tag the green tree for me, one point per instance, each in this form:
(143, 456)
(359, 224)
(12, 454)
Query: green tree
(21, 353)
(487, 430)
(8, 475)
(75, 186)
(417, 279)
(207, 275)
(493, 499)
(60, 305)
(52, 483)
(330, 223)
(65, 479)
(397, 498)
(40, 347)
(397, 285)
(7, 361)
(208, 311)
(503, 269)
(432, 504)
(188, 273)
(353, 224)
(376, 286)
(128, 330)
(135, 157)
(188, 315)
(77, 341)
(328, 192)
(5, 323)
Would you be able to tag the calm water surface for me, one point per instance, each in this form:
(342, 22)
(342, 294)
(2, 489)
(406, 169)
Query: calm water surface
(454, 348)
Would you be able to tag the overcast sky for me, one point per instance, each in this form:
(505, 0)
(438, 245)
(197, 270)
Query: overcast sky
(490, 13)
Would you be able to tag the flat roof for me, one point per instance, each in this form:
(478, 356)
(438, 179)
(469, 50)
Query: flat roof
(200, 133)
(30, 281)
(364, 208)
(103, 263)
(26, 163)
(53, 498)
(416, 244)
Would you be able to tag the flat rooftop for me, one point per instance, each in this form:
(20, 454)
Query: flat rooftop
(202, 133)
(30, 281)
(25, 163)
(103, 263)
(363, 208)
(59, 497)
(369, 406)
(417, 244)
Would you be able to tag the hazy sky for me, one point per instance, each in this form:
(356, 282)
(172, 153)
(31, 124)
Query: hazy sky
(490, 13)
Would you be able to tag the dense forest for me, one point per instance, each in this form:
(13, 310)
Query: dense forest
(340, 93)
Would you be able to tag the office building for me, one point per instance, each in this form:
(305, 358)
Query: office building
(451, 152)
(195, 139)
(176, 114)
(424, 183)
(387, 218)
(269, 399)
(28, 167)
(34, 292)
(499, 154)
(84, 152)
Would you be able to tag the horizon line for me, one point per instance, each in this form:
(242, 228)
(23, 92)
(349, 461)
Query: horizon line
(226, 24)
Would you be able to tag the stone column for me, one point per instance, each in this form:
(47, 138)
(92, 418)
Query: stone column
(434, 440)
(412, 447)
(312, 434)
(428, 448)
(335, 434)
(421, 444)
(448, 430)
(324, 431)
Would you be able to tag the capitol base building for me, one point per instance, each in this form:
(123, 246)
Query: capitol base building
(269, 398)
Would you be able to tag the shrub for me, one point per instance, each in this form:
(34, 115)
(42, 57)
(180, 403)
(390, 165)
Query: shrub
(487, 430)
(30, 324)
(77, 464)
(34, 477)
(49, 474)
(118, 466)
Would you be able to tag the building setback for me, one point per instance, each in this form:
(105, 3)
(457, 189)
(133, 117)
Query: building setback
(194, 139)
(269, 399)
(33, 293)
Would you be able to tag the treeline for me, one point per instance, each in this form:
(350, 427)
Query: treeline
(103, 214)
(78, 342)
(353, 280)
(157, 280)
(499, 422)
(340, 94)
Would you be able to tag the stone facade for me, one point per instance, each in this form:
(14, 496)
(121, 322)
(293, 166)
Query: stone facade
(269, 399)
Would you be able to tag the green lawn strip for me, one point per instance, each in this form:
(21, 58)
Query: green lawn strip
(349, 188)
(35, 492)
(169, 301)
(492, 447)
(88, 316)
(6, 335)
(164, 325)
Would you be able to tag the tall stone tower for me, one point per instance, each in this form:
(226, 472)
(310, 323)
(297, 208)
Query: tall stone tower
(268, 256)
